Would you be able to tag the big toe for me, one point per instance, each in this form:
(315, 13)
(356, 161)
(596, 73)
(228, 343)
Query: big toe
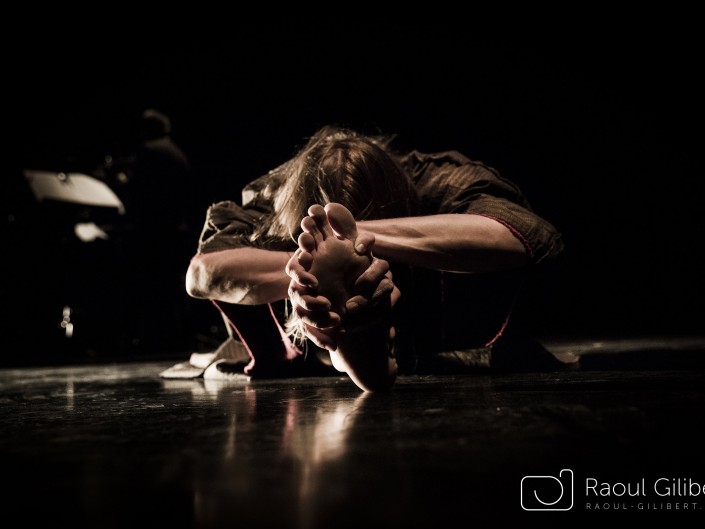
(341, 220)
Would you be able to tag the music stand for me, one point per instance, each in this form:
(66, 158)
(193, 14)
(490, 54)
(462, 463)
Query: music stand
(74, 188)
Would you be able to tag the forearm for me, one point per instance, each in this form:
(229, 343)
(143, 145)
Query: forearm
(449, 242)
(247, 276)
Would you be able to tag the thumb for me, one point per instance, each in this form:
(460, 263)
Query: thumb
(364, 243)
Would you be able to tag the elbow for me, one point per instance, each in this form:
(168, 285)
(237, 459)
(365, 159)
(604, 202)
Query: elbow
(199, 279)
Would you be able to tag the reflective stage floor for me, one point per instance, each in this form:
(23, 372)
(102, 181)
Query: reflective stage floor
(116, 446)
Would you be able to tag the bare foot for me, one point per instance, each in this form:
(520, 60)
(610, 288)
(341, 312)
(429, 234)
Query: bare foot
(362, 347)
(329, 237)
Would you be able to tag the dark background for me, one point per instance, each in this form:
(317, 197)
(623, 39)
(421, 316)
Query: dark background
(602, 131)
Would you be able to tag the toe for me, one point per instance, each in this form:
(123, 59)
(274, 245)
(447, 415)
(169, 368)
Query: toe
(310, 227)
(342, 221)
(306, 260)
(307, 242)
(319, 215)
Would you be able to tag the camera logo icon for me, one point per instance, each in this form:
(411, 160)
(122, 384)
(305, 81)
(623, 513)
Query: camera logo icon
(547, 493)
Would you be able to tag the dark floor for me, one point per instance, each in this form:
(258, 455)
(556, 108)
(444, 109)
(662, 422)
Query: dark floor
(116, 446)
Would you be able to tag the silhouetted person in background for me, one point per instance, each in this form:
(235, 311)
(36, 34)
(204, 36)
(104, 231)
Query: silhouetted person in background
(156, 190)
(158, 235)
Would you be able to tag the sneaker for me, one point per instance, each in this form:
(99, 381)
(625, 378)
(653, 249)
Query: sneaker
(230, 350)
(225, 370)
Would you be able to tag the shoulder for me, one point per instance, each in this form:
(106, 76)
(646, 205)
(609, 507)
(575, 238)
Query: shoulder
(421, 166)
(163, 154)
(432, 171)
(223, 212)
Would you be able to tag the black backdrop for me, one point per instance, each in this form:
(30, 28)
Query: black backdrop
(601, 133)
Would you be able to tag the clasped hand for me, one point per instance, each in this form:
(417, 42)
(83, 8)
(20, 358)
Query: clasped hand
(373, 295)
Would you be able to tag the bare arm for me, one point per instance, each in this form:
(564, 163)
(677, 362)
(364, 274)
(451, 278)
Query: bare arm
(451, 242)
(248, 276)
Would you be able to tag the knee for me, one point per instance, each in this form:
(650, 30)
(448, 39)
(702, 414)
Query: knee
(198, 279)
